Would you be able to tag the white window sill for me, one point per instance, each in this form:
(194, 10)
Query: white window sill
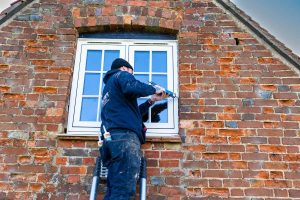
(167, 138)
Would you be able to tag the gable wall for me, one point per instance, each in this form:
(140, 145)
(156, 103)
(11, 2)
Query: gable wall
(239, 106)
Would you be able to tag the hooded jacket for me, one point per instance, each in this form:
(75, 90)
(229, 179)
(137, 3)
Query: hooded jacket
(120, 110)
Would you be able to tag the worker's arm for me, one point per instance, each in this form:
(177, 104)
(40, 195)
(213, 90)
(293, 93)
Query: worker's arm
(132, 87)
(146, 105)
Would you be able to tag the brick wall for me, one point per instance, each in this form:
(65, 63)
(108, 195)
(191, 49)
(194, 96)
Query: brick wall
(239, 105)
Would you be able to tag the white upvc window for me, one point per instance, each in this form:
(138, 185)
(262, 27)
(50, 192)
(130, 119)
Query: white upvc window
(152, 60)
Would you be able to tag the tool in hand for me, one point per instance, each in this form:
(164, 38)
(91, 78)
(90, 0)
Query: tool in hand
(168, 92)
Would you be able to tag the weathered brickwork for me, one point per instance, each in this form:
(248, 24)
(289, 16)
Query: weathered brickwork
(239, 105)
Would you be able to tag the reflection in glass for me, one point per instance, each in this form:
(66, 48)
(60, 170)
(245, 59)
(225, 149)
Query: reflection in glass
(145, 115)
(99, 111)
(159, 61)
(91, 84)
(161, 80)
(143, 78)
(89, 109)
(103, 84)
(93, 60)
(159, 112)
(109, 57)
(141, 61)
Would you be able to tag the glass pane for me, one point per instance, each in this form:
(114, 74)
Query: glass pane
(99, 111)
(141, 61)
(89, 109)
(103, 84)
(143, 78)
(109, 57)
(145, 117)
(160, 80)
(159, 61)
(93, 60)
(159, 112)
(91, 84)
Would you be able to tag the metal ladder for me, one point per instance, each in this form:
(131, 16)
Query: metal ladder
(101, 172)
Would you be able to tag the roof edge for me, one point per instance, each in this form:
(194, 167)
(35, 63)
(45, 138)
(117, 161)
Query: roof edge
(269, 39)
(14, 11)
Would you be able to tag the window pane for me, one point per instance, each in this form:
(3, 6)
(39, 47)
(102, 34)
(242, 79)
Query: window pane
(159, 61)
(159, 112)
(160, 80)
(109, 57)
(145, 117)
(91, 84)
(103, 84)
(141, 77)
(141, 61)
(99, 111)
(93, 60)
(89, 109)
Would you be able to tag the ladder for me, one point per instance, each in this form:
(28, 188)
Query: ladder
(101, 172)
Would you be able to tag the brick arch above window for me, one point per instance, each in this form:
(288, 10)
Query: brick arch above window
(99, 18)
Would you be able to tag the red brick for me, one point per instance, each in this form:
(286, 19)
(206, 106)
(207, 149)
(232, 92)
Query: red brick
(152, 162)
(222, 192)
(4, 88)
(231, 132)
(42, 62)
(215, 156)
(194, 164)
(294, 193)
(152, 154)
(276, 175)
(73, 179)
(61, 161)
(258, 192)
(88, 161)
(31, 168)
(73, 170)
(171, 154)
(213, 140)
(292, 175)
(236, 183)
(49, 90)
(271, 148)
(236, 192)
(11, 96)
(169, 163)
(42, 159)
(197, 148)
(281, 192)
(35, 187)
(153, 171)
(264, 60)
(275, 165)
(170, 191)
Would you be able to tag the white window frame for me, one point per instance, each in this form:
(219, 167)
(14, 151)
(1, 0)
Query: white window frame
(77, 127)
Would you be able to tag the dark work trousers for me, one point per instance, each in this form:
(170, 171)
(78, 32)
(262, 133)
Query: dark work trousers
(123, 163)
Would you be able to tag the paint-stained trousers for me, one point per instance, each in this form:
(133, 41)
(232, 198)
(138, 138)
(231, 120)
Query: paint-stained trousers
(122, 157)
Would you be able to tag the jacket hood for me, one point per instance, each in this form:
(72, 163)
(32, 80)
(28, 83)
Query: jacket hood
(109, 74)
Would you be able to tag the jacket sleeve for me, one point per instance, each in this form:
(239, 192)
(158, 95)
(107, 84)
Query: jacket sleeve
(132, 87)
(144, 107)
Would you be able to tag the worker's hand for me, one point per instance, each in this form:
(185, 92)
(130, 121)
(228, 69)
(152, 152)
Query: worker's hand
(159, 89)
(158, 97)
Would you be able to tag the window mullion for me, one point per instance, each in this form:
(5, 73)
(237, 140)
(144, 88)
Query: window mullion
(101, 82)
(150, 75)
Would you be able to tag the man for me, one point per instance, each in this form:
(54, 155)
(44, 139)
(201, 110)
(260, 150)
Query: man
(122, 118)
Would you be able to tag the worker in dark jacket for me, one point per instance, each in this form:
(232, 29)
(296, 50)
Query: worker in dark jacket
(122, 118)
